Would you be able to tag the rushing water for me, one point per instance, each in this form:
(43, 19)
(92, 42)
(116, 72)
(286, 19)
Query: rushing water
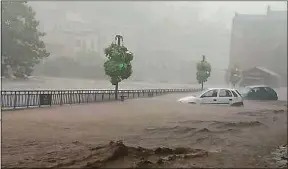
(53, 83)
(37, 83)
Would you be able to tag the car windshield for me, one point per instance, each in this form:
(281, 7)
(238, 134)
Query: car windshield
(201, 93)
(244, 90)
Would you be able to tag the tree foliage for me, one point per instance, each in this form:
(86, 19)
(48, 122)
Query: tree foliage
(203, 71)
(235, 75)
(118, 66)
(22, 47)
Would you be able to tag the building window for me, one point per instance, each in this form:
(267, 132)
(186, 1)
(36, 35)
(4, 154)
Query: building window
(84, 44)
(92, 44)
(78, 43)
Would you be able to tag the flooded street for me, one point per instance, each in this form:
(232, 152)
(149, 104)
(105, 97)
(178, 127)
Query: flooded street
(53, 83)
(208, 136)
(50, 83)
(59, 108)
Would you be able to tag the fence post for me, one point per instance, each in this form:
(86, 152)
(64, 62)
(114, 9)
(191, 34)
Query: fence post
(15, 100)
(38, 96)
(2, 100)
(51, 95)
(28, 97)
(79, 94)
(70, 97)
(95, 97)
(61, 101)
(88, 94)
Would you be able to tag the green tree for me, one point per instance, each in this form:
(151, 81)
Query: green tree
(235, 75)
(118, 66)
(22, 47)
(203, 71)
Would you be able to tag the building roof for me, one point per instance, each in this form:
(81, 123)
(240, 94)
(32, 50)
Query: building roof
(249, 17)
(74, 17)
(270, 14)
(267, 71)
(278, 14)
(82, 32)
(263, 69)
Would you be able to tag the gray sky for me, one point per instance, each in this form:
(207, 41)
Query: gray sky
(223, 11)
(213, 11)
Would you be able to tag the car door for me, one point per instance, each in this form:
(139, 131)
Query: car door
(272, 95)
(209, 97)
(236, 97)
(225, 96)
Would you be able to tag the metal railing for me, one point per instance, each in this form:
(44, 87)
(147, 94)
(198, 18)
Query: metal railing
(38, 98)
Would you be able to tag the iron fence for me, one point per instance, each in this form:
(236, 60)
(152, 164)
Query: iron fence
(39, 98)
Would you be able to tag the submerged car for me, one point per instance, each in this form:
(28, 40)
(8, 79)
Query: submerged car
(225, 96)
(259, 93)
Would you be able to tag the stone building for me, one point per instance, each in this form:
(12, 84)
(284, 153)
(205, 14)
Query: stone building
(72, 35)
(260, 41)
(67, 31)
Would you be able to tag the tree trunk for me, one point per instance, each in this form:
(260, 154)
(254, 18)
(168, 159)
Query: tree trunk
(116, 86)
(116, 91)
(202, 85)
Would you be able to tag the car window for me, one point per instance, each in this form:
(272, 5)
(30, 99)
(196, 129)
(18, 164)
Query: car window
(256, 89)
(225, 93)
(244, 90)
(262, 89)
(234, 93)
(210, 93)
(271, 91)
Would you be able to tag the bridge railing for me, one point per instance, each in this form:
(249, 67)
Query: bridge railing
(38, 98)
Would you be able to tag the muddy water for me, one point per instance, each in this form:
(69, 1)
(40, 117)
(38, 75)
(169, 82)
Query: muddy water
(69, 83)
(40, 83)
(233, 137)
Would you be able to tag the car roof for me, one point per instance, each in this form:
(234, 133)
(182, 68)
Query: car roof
(258, 86)
(220, 88)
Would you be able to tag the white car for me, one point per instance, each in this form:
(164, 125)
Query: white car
(225, 96)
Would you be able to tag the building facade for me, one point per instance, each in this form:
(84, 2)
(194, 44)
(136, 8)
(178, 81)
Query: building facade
(259, 76)
(260, 40)
(68, 32)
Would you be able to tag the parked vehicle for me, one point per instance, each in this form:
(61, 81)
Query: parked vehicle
(259, 92)
(224, 96)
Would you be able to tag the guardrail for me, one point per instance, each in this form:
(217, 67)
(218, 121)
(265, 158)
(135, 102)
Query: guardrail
(39, 98)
